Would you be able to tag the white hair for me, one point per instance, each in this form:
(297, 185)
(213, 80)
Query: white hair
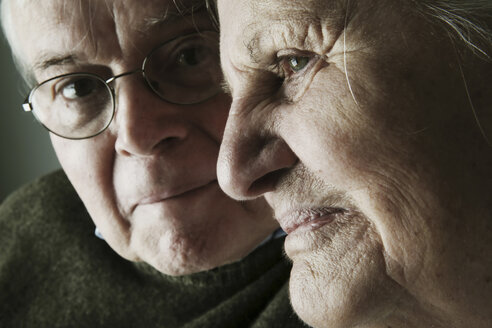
(7, 27)
(5, 20)
(468, 21)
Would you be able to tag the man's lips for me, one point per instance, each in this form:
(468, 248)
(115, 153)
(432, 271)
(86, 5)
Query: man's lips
(166, 195)
(308, 219)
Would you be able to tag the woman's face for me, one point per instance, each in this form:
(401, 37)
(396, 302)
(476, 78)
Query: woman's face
(355, 123)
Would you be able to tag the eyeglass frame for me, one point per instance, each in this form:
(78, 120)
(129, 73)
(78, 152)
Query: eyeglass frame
(28, 107)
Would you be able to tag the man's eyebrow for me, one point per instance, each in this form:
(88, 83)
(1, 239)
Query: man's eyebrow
(47, 61)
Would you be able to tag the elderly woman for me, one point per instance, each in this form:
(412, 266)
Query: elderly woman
(367, 126)
(131, 94)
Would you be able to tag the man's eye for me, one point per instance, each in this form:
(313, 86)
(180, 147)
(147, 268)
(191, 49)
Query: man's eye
(79, 88)
(189, 57)
(297, 63)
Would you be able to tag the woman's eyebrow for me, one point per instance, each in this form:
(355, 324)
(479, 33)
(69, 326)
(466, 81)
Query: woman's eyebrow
(253, 48)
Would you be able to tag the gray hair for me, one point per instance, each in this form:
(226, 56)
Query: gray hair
(6, 26)
(182, 7)
(468, 22)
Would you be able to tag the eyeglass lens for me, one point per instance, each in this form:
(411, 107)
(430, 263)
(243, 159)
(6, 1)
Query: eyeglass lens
(186, 71)
(183, 71)
(74, 106)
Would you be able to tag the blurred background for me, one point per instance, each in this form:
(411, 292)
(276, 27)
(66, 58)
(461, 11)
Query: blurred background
(25, 149)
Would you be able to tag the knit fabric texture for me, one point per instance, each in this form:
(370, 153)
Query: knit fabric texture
(55, 273)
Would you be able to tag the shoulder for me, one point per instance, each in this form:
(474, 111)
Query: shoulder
(42, 214)
(50, 194)
(45, 194)
(47, 242)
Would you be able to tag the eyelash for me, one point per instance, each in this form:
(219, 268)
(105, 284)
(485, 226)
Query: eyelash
(293, 82)
(286, 64)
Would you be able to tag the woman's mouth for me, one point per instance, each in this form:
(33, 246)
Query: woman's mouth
(308, 219)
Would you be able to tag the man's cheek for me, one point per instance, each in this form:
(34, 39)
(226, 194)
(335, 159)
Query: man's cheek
(87, 163)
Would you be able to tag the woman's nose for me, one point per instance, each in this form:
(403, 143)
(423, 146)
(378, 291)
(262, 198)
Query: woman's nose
(252, 158)
(144, 123)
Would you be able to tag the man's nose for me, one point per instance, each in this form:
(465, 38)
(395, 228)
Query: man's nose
(144, 123)
(252, 156)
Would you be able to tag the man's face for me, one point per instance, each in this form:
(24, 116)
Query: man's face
(149, 181)
(355, 124)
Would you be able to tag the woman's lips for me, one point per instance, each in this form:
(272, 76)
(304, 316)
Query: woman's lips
(308, 219)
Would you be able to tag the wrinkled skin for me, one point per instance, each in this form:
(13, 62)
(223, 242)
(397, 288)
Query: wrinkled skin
(149, 181)
(356, 125)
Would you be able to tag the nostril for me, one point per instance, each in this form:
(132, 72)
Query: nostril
(167, 143)
(267, 182)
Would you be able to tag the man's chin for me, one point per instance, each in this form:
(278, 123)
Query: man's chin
(176, 255)
(180, 264)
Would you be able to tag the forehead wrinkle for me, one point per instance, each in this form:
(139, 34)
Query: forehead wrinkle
(64, 15)
(92, 26)
(295, 24)
(88, 16)
(115, 26)
(84, 10)
(302, 33)
(168, 14)
(90, 34)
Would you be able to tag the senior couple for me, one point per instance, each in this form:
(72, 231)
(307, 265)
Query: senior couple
(363, 128)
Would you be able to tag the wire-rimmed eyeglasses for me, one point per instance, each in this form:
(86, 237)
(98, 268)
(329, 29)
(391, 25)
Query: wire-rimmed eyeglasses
(184, 70)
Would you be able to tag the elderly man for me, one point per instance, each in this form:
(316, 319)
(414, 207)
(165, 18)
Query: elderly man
(130, 92)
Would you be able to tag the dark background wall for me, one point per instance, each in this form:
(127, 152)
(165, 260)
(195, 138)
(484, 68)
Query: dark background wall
(25, 149)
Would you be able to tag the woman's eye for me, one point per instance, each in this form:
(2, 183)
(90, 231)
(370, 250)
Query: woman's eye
(297, 63)
(296, 70)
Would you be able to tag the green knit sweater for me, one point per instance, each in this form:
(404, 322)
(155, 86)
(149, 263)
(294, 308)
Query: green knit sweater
(55, 273)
